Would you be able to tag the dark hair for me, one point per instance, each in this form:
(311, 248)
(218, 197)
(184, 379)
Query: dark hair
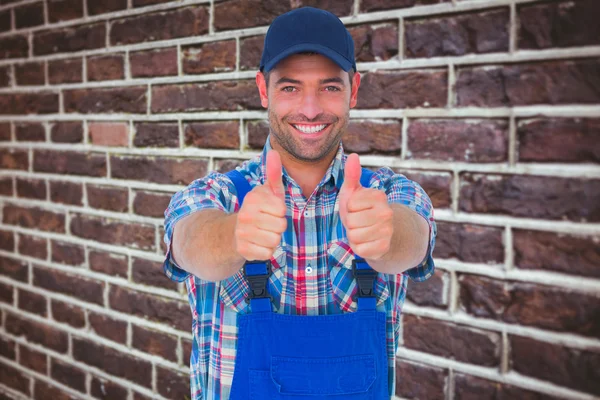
(350, 72)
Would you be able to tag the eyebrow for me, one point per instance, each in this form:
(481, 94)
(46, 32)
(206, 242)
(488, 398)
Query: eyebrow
(322, 81)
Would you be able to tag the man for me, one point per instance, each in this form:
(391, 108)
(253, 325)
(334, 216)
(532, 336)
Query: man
(317, 322)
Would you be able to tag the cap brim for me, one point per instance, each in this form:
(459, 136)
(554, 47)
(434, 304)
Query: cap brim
(310, 47)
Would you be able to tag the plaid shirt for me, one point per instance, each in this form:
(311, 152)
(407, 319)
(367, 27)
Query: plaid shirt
(312, 272)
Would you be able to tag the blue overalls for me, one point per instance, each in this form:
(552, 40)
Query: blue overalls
(294, 357)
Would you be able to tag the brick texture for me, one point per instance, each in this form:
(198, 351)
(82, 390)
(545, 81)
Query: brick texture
(153, 63)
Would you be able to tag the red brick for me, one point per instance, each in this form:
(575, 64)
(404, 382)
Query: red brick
(105, 230)
(36, 332)
(373, 137)
(548, 82)
(150, 63)
(15, 46)
(433, 292)
(32, 302)
(187, 351)
(66, 192)
(5, 20)
(5, 76)
(182, 22)
(65, 71)
(559, 140)
(574, 368)
(64, 10)
(531, 196)
(470, 243)
(30, 132)
(211, 96)
(251, 49)
(14, 379)
(416, 381)
(213, 135)
(403, 89)
(209, 57)
(105, 6)
(172, 384)
(6, 291)
(14, 269)
(33, 246)
(472, 141)
(224, 166)
(436, 185)
(152, 134)
(258, 131)
(375, 42)
(142, 3)
(28, 103)
(69, 162)
(131, 99)
(155, 342)
(161, 235)
(108, 197)
(69, 284)
(33, 359)
(5, 131)
(107, 390)
(173, 313)
(471, 388)
(376, 5)
(68, 314)
(158, 169)
(105, 67)
(34, 218)
(109, 263)
(112, 329)
(14, 159)
(31, 188)
(570, 254)
(113, 361)
(67, 253)
(51, 392)
(151, 204)
(7, 240)
(109, 133)
(73, 38)
(30, 74)
(6, 188)
(8, 348)
(150, 273)
(558, 24)
(29, 15)
(67, 375)
(67, 132)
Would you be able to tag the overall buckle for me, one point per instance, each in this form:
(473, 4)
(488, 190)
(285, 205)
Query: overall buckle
(365, 279)
(258, 283)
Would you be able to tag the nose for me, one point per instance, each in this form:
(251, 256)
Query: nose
(310, 106)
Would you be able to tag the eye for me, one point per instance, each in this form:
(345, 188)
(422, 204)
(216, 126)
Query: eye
(332, 89)
(288, 89)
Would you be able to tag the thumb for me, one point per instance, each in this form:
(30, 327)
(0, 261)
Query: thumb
(274, 172)
(352, 172)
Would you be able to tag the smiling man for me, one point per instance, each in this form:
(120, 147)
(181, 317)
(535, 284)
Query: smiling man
(296, 263)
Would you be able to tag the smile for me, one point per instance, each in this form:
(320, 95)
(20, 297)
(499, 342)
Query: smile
(310, 128)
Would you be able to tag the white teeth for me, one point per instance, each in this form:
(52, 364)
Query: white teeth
(310, 128)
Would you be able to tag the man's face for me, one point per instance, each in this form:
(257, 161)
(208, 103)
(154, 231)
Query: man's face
(308, 99)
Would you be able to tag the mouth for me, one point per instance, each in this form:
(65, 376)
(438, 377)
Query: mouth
(311, 129)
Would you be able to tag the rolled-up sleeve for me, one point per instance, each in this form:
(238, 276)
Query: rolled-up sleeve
(212, 192)
(401, 190)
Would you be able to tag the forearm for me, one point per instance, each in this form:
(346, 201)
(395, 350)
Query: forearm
(409, 244)
(204, 245)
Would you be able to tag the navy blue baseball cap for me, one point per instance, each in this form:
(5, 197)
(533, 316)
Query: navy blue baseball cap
(308, 29)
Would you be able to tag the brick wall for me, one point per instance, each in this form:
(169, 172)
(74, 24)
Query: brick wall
(109, 107)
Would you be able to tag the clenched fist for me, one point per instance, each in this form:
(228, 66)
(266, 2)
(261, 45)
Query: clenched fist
(365, 213)
(261, 220)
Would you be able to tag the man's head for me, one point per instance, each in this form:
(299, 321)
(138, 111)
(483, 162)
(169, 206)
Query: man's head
(307, 81)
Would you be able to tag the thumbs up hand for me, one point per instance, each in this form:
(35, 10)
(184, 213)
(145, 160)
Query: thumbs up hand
(262, 218)
(365, 213)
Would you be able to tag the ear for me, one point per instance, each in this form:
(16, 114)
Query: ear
(355, 85)
(262, 89)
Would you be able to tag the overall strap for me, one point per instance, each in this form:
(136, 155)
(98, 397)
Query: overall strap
(241, 184)
(365, 275)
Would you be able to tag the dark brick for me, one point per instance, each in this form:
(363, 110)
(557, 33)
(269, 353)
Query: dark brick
(105, 6)
(8, 348)
(151, 204)
(375, 42)
(154, 342)
(51, 392)
(69, 162)
(33, 359)
(65, 71)
(404, 89)
(6, 189)
(107, 390)
(150, 63)
(111, 198)
(30, 132)
(32, 302)
(472, 141)
(14, 47)
(64, 10)
(36, 332)
(105, 230)
(212, 135)
(258, 131)
(158, 169)
(436, 185)
(110, 263)
(224, 166)
(559, 140)
(68, 314)
(69, 284)
(112, 361)
(531, 196)
(14, 159)
(152, 134)
(73, 38)
(251, 49)
(14, 379)
(14, 269)
(67, 132)
(376, 5)
(150, 273)
(142, 3)
(182, 22)
(67, 253)
(66, 192)
(30, 74)
(5, 20)
(373, 137)
(470, 243)
(34, 218)
(187, 351)
(6, 292)
(209, 57)
(29, 15)
(433, 292)
(68, 375)
(28, 103)
(577, 369)
(416, 381)
(211, 96)
(131, 99)
(161, 235)
(471, 388)
(170, 312)
(5, 76)
(112, 329)
(7, 240)
(105, 67)
(541, 306)
(172, 384)
(558, 24)
(33, 246)
(551, 251)
(548, 82)
(31, 188)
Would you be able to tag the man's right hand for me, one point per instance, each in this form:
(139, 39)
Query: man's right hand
(262, 218)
